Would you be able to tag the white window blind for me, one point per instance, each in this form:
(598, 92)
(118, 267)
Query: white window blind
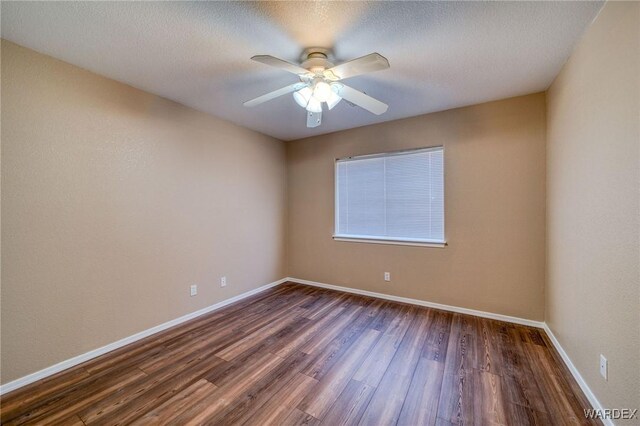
(395, 196)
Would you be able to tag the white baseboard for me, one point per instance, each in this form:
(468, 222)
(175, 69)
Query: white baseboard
(46, 372)
(499, 317)
(576, 374)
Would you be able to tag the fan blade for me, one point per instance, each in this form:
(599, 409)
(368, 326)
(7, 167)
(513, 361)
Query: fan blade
(279, 63)
(276, 93)
(366, 64)
(314, 119)
(363, 101)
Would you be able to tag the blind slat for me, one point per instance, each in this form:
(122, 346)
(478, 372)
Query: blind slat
(395, 196)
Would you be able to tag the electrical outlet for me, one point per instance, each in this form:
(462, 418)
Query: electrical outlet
(387, 276)
(604, 364)
(194, 289)
(223, 281)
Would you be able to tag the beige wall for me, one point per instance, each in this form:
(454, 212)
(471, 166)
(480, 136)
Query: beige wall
(114, 201)
(494, 210)
(593, 205)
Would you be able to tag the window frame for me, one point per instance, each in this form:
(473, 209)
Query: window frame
(381, 239)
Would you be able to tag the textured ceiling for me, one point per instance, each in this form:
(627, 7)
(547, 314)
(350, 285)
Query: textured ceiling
(442, 55)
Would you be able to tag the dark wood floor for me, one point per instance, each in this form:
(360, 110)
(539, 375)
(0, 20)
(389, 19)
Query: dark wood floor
(302, 355)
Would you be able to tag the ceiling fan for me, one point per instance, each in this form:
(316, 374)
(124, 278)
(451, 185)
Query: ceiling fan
(320, 82)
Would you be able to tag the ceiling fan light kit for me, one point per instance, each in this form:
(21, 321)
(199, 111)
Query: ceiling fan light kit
(319, 82)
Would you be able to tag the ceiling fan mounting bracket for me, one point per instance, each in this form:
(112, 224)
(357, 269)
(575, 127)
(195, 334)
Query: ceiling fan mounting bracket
(316, 59)
(316, 52)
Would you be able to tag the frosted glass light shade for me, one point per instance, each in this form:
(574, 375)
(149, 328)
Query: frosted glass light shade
(322, 91)
(314, 105)
(302, 96)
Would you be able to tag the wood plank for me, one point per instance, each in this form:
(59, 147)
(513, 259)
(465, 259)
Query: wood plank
(489, 406)
(230, 392)
(387, 401)
(281, 403)
(334, 299)
(333, 383)
(175, 405)
(461, 348)
(140, 403)
(181, 367)
(29, 396)
(557, 393)
(523, 390)
(435, 346)
(72, 402)
(331, 320)
(519, 386)
(321, 340)
(486, 349)
(300, 418)
(421, 404)
(227, 371)
(269, 329)
(223, 334)
(197, 412)
(350, 405)
(244, 407)
(229, 314)
(332, 352)
(455, 404)
(525, 416)
(69, 421)
(375, 365)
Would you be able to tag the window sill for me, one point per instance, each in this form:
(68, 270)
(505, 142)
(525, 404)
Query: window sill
(390, 241)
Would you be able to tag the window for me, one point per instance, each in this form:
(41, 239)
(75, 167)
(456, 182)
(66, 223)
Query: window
(395, 197)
